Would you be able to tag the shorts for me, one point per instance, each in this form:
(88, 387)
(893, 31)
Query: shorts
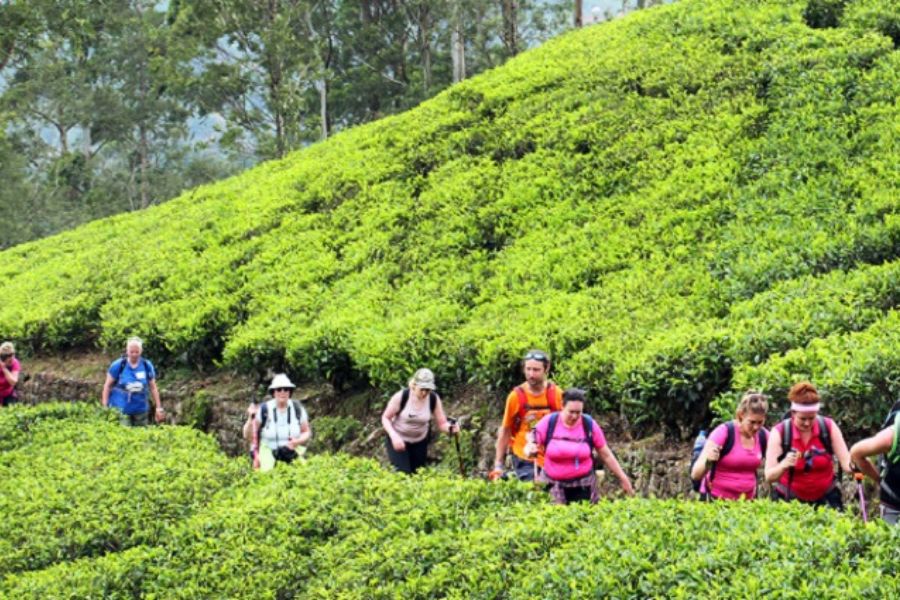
(138, 420)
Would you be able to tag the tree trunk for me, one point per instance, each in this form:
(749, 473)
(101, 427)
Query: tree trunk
(145, 167)
(510, 32)
(579, 13)
(458, 53)
(425, 46)
(323, 106)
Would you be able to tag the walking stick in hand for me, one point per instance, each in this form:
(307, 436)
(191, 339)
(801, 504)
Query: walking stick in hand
(858, 476)
(462, 469)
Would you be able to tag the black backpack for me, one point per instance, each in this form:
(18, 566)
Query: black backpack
(726, 448)
(889, 463)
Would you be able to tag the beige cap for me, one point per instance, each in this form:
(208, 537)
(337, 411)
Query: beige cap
(424, 379)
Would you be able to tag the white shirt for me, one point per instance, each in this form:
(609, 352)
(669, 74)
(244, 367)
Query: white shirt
(278, 429)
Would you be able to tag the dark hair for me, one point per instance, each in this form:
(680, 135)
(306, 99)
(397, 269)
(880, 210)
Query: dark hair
(574, 394)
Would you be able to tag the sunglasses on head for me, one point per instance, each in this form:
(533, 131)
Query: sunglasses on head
(537, 356)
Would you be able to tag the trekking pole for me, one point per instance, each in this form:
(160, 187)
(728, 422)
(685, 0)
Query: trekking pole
(462, 469)
(862, 497)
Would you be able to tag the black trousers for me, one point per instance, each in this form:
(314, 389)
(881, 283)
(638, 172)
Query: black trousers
(831, 499)
(411, 459)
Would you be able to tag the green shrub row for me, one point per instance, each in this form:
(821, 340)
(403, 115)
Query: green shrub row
(339, 527)
(74, 485)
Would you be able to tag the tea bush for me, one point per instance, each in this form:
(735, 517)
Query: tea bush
(665, 202)
(77, 484)
(340, 527)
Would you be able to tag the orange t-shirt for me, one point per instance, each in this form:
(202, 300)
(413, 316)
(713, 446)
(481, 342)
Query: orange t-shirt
(537, 407)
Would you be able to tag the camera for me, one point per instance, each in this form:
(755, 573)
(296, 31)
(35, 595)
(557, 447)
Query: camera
(5, 357)
(285, 454)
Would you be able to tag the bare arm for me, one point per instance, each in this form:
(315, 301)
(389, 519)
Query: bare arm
(710, 453)
(880, 443)
(775, 469)
(504, 434)
(441, 418)
(154, 392)
(387, 417)
(248, 424)
(840, 447)
(305, 434)
(609, 459)
(12, 377)
(107, 386)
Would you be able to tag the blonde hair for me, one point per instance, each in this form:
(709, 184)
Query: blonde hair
(753, 402)
(135, 340)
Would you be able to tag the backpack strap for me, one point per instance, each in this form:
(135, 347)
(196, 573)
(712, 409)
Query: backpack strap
(553, 397)
(523, 402)
(726, 448)
(404, 399)
(786, 432)
(123, 361)
(588, 424)
(763, 441)
(551, 427)
(825, 434)
(553, 401)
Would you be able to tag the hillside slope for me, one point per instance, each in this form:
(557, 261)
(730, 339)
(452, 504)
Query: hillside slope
(680, 204)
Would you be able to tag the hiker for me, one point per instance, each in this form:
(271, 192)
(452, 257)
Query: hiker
(884, 442)
(727, 466)
(800, 456)
(128, 380)
(279, 427)
(9, 374)
(569, 439)
(526, 404)
(407, 421)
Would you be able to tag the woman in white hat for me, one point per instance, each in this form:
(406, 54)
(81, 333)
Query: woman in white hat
(279, 429)
(407, 421)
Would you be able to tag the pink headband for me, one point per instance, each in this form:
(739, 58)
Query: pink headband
(804, 408)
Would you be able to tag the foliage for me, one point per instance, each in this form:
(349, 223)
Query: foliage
(332, 433)
(76, 484)
(340, 527)
(665, 202)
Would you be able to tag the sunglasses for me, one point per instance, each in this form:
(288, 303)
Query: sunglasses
(537, 356)
(282, 390)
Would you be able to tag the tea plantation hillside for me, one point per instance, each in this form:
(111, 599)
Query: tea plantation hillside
(94, 510)
(680, 204)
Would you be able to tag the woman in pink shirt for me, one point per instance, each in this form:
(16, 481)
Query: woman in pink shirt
(734, 452)
(9, 374)
(570, 439)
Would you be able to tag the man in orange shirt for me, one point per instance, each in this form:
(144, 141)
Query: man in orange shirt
(526, 404)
